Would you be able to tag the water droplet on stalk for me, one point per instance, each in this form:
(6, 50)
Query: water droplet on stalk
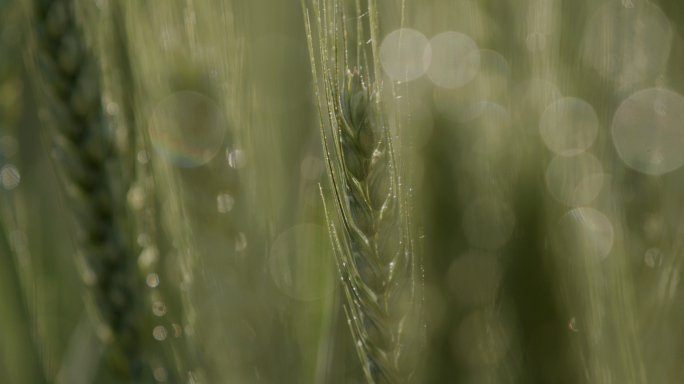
(152, 280)
(224, 203)
(159, 333)
(10, 176)
(236, 158)
(240, 242)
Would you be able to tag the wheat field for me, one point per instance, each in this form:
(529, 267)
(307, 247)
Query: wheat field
(341, 191)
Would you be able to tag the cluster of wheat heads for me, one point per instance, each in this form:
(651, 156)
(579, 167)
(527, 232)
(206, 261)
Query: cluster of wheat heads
(67, 84)
(370, 229)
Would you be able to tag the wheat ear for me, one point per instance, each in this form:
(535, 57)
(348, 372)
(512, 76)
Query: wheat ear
(68, 86)
(373, 245)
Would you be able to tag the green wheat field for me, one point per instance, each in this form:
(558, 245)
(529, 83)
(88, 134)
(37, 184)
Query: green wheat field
(341, 191)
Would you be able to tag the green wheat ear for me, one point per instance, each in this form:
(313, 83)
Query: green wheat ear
(67, 85)
(373, 242)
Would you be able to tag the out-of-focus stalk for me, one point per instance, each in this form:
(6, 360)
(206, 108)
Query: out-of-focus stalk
(94, 180)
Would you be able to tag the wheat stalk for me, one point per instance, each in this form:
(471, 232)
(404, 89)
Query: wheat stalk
(373, 244)
(68, 86)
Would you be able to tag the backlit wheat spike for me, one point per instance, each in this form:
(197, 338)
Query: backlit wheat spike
(380, 266)
(373, 245)
(68, 85)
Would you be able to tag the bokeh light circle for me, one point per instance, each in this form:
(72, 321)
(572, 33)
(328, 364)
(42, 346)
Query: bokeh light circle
(489, 84)
(569, 126)
(10, 176)
(455, 59)
(575, 180)
(529, 101)
(627, 44)
(584, 236)
(648, 131)
(405, 54)
(185, 129)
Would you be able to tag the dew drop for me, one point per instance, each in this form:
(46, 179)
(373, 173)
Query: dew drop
(160, 332)
(142, 157)
(236, 158)
(158, 308)
(147, 257)
(136, 197)
(152, 280)
(160, 374)
(177, 331)
(224, 203)
(240, 241)
(10, 176)
(143, 240)
(112, 108)
(674, 282)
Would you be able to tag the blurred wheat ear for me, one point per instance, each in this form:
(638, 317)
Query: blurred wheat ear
(67, 85)
(370, 231)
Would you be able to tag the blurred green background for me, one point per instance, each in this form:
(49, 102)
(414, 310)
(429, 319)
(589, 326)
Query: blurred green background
(543, 140)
